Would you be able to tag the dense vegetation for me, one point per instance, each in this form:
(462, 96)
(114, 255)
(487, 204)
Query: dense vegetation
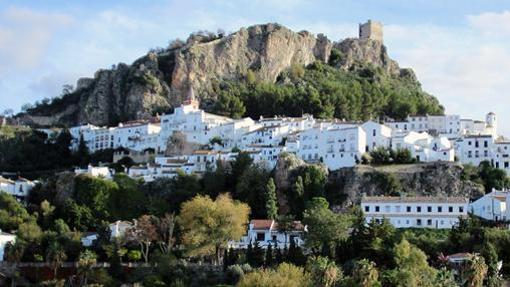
(326, 92)
(34, 154)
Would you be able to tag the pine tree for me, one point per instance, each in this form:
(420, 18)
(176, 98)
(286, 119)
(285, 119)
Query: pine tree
(257, 258)
(82, 154)
(271, 208)
(249, 253)
(269, 256)
(295, 254)
(278, 258)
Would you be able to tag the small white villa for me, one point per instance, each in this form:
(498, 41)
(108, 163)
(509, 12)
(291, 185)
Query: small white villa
(5, 238)
(95, 171)
(492, 206)
(265, 232)
(18, 188)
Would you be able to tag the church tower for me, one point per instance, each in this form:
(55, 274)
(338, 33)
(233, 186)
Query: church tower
(191, 99)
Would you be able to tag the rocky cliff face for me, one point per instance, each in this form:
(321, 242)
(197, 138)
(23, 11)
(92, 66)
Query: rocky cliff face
(158, 81)
(347, 185)
(425, 179)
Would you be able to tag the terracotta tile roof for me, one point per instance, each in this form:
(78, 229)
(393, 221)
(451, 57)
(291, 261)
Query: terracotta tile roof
(268, 224)
(411, 199)
(261, 224)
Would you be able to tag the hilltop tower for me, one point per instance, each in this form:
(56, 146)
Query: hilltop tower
(372, 30)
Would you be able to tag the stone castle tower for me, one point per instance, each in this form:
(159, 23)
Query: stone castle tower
(372, 30)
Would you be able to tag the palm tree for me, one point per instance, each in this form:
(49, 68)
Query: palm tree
(476, 271)
(55, 255)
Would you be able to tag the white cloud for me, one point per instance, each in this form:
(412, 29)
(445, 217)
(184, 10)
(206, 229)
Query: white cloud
(465, 67)
(492, 24)
(25, 36)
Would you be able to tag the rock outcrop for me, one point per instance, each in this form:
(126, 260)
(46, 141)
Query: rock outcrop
(424, 179)
(159, 80)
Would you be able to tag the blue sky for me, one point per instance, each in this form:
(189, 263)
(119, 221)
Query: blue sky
(460, 52)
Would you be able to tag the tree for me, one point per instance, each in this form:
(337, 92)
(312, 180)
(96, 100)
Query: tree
(285, 224)
(127, 201)
(490, 255)
(82, 153)
(271, 208)
(165, 227)
(86, 262)
(12, 213)
(314, 180)
(208, 225)
(412, 266)
(55, 255)
(476, 271)
(269, 261)
(325, 228)
(285, 275)
(143, 233)
(251, 188)
(365, 274)
(229, 105)
(323, 271)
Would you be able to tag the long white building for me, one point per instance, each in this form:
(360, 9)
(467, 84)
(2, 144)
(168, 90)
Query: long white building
(415, 212)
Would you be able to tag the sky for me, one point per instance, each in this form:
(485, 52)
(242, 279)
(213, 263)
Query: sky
(459, 50)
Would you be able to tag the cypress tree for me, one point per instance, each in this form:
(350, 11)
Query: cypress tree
(271, 208)
(269, 256)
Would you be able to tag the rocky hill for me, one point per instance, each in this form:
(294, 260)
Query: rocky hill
(159, 80)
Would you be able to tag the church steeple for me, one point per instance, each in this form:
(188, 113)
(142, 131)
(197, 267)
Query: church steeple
(190, 97)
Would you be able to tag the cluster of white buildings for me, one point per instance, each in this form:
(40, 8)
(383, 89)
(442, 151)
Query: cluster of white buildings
(19, 188)
(333, 142)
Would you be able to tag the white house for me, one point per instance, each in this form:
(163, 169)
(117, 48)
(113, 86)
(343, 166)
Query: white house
(377, 135)
(5, 238)
(96, 171)
(492, 206)
(87, 239)
(18, 188)
(415, 212)
(265, 232)
(119, 228)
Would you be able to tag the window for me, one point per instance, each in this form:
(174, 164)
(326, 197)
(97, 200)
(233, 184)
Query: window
(273, 238)
(397, 208)
(439, 209)
(485, 144)
(367, 208)
(418, 209)
(429, 222)
(429, 208)
(373, 133)
(418, 222)
(260, 236)
(387, 209)
(461, 209)
(408, 209)
(450, 208)
(377, 209)
(476, 144)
